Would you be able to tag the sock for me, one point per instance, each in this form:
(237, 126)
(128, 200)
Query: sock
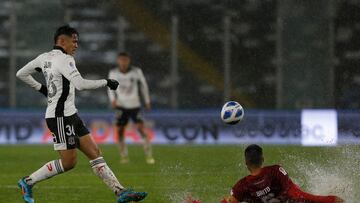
(49, 170)
(147, 144)
(102, 170)
(147, 148)
(123, 150)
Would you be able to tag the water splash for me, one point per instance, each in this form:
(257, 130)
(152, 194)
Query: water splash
(338, 175)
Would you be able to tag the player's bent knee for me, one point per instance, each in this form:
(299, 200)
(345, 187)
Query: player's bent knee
(69, 163)
(68, 159)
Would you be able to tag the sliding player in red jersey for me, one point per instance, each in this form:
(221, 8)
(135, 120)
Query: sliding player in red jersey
(270, 184)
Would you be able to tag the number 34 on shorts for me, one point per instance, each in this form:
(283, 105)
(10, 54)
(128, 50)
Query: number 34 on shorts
(66, 131)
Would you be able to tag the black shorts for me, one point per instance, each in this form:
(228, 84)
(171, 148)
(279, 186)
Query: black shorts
(123, 115)
(66, 131)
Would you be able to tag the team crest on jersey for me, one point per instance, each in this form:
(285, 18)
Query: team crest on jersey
(71, 64)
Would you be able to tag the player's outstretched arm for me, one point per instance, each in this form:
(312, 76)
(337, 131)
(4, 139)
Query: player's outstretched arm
(25, 72)
(295, 193)
(82, 84)
(70, 72)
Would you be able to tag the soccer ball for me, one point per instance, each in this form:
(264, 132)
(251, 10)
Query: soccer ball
(232, 112)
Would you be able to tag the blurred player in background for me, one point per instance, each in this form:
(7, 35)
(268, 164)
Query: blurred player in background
(68, 130)
(126, 101)
(270, 184)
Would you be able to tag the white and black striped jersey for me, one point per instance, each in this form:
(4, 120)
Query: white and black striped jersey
(130, 84)
(62, 77)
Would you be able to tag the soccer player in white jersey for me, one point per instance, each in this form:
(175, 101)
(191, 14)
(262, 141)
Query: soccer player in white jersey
(126, 102)
(69, 132)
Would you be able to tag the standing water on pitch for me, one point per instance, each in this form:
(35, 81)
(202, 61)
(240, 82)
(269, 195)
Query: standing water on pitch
(338, 175)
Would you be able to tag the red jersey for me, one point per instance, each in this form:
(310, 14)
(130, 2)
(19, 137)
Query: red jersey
(273, 185)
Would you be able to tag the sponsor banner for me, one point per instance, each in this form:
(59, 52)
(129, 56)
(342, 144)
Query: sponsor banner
(181, 127)
(348, 127)
(319, 128)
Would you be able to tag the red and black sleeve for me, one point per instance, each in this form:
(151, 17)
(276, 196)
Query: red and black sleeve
(238, 191)
(297, 195)
(291, 191)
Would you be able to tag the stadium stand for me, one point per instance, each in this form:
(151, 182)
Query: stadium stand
(253, 35)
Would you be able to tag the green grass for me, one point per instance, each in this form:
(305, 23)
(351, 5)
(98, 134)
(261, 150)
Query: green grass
(207, 172)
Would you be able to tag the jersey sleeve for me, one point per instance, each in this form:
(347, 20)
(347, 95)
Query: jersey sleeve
(144, 88)
(69, 71)
(238, 191)
(297, 195)
(282, 179)
(111, 93)
(25, 72)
